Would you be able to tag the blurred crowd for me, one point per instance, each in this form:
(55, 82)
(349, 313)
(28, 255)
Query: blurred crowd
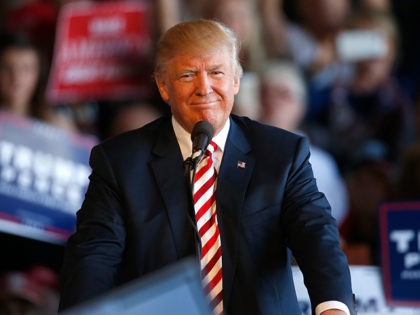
(29, 292)
(308, 68)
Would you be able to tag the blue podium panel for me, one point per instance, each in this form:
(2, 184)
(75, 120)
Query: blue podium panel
(174, 290)
(400, 238)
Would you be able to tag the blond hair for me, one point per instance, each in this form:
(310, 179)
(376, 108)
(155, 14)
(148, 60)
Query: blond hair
(196, 37)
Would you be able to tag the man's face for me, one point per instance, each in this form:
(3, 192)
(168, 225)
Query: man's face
(200, 87)
(281, 106)
(19, 73)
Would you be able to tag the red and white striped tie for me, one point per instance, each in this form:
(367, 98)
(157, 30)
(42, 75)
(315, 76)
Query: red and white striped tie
(205, 213)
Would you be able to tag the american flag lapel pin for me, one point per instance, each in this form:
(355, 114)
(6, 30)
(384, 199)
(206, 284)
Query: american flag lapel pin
(241, 164)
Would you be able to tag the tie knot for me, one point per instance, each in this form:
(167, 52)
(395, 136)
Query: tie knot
(211, 148)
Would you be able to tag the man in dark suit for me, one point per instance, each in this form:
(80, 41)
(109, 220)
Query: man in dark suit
(135, 217)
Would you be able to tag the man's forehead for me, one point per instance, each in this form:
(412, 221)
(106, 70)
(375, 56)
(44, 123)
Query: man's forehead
(212, 60)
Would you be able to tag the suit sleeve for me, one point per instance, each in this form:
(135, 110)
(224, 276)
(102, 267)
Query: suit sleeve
(312, 235)
(94, 251)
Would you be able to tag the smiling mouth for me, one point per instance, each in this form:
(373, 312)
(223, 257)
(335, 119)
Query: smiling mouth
(205, 103)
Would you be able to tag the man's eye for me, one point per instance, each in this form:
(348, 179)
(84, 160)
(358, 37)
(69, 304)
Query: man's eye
(186, 76)
(217, 73)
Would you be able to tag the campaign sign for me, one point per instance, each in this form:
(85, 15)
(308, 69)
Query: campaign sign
(368, 289)
(400, 237)
(43, 178)
(102, 51)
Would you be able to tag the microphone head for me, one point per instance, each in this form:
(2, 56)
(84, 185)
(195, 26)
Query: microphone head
(201, 135)
(202, 127)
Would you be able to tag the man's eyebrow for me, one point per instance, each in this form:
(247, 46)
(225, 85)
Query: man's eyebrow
(214, 67)
(186, 70)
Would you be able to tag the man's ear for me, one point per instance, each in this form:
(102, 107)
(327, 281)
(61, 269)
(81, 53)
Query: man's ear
(163, 91)
(236, 84)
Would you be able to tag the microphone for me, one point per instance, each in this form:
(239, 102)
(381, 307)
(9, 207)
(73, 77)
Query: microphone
(201, 136)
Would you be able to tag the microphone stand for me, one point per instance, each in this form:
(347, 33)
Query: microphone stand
(190, 168)
(201, 135)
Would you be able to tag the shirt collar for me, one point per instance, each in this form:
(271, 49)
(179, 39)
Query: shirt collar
(184, 138)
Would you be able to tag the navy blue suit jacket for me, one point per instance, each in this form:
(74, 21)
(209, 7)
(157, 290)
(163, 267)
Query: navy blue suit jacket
(134, 219)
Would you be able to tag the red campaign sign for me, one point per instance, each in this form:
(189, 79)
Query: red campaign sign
(102, 51)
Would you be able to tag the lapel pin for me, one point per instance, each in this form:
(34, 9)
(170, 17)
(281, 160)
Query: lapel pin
(241, 164)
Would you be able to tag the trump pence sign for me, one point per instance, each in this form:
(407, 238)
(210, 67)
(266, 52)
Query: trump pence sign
(400, 237)
(43, 178)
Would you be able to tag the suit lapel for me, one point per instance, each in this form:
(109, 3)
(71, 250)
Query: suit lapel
(169, 173)
(235, 173)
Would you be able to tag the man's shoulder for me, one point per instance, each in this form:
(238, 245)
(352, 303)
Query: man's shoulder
(137, 138)
(257, 131)
(271, 144)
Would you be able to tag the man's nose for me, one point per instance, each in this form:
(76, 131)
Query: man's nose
(203, 85)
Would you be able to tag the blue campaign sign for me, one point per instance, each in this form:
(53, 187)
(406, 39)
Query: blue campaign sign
(43, 178)
(400, 237)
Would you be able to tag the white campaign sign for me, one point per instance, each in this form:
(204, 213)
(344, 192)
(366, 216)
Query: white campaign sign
(368, 288)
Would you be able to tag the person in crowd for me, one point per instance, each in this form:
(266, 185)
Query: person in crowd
(48, 282)
(133, 116)
(192, 9)
(321, 30)
(408, 65)
(375, 5)
(370, 182)
(29, 292)
(371, 106)
(19, 295)
(274, 24)
(284, 104)
(242, 17)
(37, 19)
(129, 115)
(310, 41)
(23, 76)
(408, 182)
(139, 214)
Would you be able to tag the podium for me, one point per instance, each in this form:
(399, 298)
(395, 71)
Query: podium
(175, 289)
